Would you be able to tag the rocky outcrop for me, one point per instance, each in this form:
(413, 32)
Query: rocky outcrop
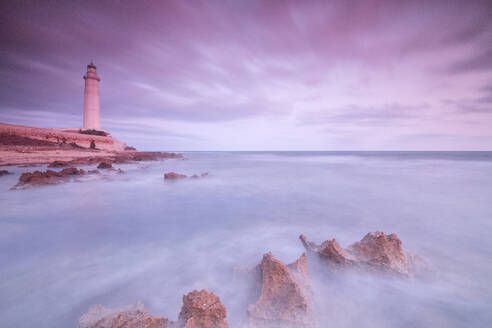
(119, 158)
(283, 302)
(376, 251)
(105, 165)
(57, 164)
(12, 139)
(4, 172)
(202, 309)
(174, 176)
(79, 161)
(38, 178)
(330, 251)
(140, 156)
(67, 147)
(27, 136)
(101, 317)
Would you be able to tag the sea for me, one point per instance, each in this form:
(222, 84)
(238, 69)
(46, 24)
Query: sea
(116, 239)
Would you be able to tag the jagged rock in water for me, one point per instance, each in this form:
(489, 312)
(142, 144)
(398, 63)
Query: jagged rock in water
(300, 269)
(4, 172)
(202, 309)
(72, 171)
(283, 302)
(174, 176)
(101, 317)
(376, 251)
(105, 165)
(38, 178)
(329, 250)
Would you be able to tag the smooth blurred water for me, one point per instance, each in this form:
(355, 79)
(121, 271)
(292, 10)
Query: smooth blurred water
(116, 239)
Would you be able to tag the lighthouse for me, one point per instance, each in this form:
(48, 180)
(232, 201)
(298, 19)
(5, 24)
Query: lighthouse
(91, 99)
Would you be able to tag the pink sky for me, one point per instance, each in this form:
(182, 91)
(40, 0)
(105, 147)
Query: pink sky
(256, 75)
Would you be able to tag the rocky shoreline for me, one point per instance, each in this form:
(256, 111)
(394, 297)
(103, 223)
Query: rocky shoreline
(23, 145)
(284, 293)
(65, 148)
(70, 172)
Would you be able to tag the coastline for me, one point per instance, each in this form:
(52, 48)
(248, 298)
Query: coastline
(24, 145)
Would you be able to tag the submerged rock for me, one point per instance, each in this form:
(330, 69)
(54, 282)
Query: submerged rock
(202, 309)
(376, 251)
(174, 176)
(283, 302)
(72, 171)
(154, 156)
(38, 178)
(101, 317)
(4, 172)
(177, 176)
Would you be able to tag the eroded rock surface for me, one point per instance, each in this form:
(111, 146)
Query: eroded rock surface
(101, 317)
(38, 178)
(118, 158)
(376, 251)
(202, 309)
(283, 302)
(105, 165)
(4, 172)
(174, 176)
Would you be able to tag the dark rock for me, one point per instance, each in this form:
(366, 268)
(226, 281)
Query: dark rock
(105, 165)
(56, 164)
(74, 145)
(4, 172)
(174, 176)
(38, 178)
(72, 171)
(94, 132)
(9, 139)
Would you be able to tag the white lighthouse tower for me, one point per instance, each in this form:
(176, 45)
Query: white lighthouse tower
(91, 99)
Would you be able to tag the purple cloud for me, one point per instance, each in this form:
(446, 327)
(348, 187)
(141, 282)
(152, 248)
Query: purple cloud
(199, 73)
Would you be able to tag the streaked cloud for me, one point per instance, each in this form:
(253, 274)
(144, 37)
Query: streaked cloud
(255, 74)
